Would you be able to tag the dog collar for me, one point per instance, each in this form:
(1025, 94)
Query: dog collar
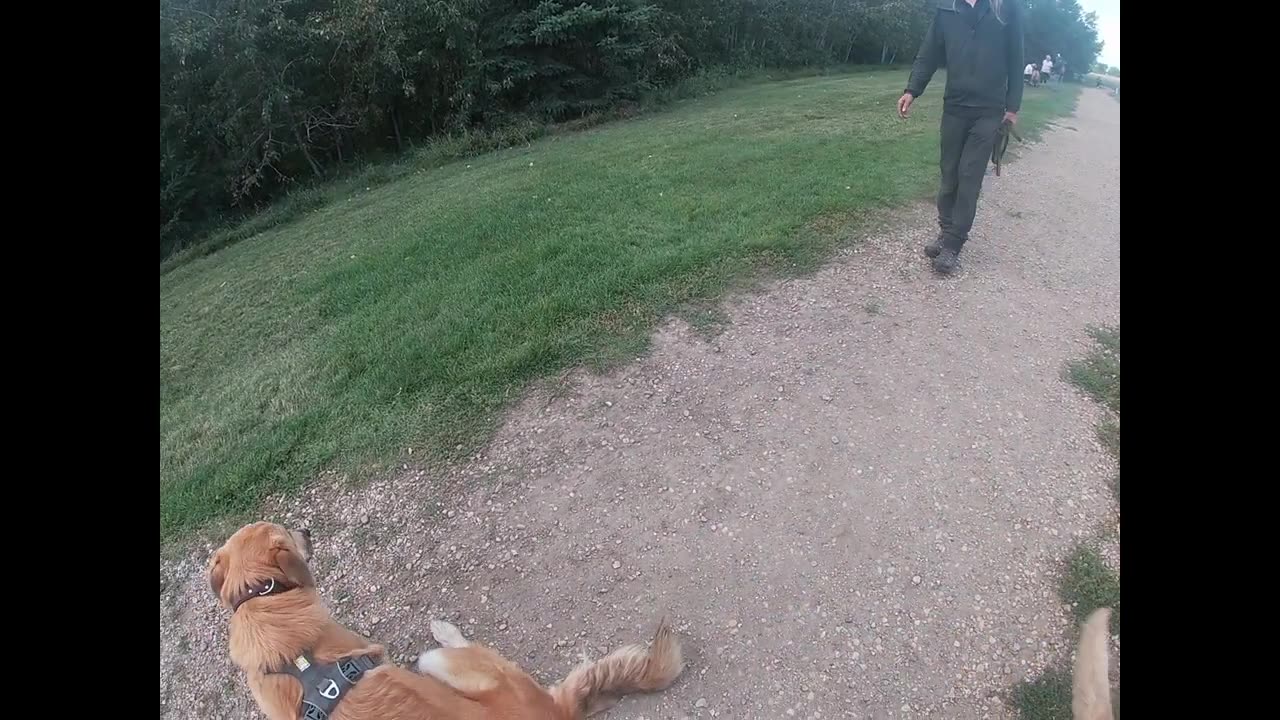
(270, 586)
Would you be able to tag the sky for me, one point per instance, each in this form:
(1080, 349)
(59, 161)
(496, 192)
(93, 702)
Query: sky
(1108, 28)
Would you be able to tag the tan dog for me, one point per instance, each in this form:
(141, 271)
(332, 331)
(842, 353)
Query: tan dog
(261, 575)
(1090, 686)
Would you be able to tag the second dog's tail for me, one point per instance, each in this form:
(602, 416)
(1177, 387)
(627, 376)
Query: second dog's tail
(1090, 687)
(594, 686)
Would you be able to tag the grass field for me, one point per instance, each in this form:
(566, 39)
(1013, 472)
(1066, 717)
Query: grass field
(410, 314)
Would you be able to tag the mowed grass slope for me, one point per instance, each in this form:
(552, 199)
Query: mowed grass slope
(410, 314)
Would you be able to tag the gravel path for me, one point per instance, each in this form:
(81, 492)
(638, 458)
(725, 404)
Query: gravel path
(853, 502)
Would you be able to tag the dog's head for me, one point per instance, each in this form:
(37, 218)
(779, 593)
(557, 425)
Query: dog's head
(257, 556)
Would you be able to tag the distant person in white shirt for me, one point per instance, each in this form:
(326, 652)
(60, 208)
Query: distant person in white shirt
(1046, 67)
(1028, 73)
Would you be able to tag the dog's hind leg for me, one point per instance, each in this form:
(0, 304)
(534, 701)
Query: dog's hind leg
(469, 671)
(448, 635)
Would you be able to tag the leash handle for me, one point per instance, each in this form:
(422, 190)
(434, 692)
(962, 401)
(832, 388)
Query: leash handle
(1002, 143)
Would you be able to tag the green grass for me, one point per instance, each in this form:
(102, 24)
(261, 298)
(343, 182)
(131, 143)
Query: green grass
(1089, 584)
(410, 314)
(438, 151)
(1099, 373)
(1048, 697)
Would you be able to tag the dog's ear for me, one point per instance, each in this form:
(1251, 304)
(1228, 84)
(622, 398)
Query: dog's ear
(217, 574)
(302, 539)
(292, 562)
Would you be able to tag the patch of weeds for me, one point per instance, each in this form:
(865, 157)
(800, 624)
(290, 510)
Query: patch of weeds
(873, 306)
(1098, 375)
(1109, 436)
(1048, 697)
(1089, 584)
(707, 320)
(470, 143)
(833, 224)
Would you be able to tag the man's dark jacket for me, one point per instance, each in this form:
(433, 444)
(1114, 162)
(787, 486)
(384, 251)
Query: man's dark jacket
(982, 49)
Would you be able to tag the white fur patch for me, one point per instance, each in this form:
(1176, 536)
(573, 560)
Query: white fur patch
(433, 663)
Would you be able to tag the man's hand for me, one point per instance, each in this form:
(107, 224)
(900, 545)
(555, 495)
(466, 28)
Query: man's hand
(1011, 118)
(904, 105)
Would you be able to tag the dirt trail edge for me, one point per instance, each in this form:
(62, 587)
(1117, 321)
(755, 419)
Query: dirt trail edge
(853, 503)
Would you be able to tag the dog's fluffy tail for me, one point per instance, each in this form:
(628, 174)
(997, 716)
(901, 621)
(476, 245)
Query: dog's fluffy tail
(594, 686)
(1090, 687)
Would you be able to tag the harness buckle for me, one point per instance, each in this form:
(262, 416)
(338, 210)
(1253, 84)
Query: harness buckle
(328, 689)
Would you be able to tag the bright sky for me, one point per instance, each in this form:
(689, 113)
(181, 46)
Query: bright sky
(1108, 28)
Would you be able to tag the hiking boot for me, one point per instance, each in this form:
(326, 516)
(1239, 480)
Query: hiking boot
(947, 261)
(935, 246)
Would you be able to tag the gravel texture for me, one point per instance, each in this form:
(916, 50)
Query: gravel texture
(854, 501)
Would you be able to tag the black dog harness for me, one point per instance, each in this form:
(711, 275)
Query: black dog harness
(325, 684)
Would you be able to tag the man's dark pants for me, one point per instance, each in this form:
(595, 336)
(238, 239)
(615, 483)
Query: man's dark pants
(967, 140)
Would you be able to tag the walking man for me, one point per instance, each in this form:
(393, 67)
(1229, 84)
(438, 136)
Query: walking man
(980, 42)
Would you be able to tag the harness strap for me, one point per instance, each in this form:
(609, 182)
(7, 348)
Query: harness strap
(325, 684)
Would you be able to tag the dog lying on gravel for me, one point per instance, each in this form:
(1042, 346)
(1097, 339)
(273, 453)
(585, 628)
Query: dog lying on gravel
(300, 663)
(1090, 686)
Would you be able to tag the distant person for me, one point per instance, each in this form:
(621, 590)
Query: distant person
(1029, 73)
(1046, 68)
(980, 42)
(1059, 68)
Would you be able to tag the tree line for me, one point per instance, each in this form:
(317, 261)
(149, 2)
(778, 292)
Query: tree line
(258, 96)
